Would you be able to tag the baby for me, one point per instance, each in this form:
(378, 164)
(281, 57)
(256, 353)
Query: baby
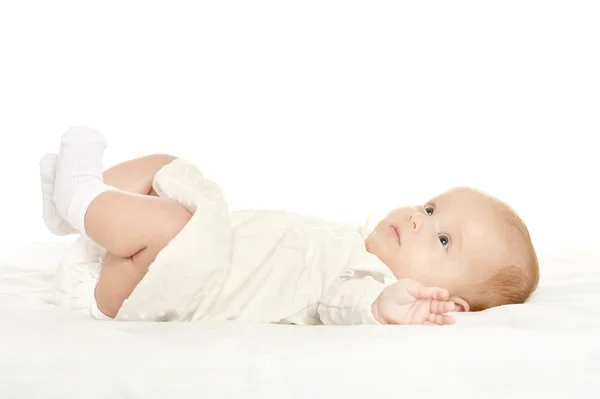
(462, 251)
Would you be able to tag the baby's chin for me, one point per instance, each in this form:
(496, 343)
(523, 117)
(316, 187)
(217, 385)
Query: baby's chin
(400, 272)
(404, 271)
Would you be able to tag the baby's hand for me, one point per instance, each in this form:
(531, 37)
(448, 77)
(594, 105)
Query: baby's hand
(408, 302)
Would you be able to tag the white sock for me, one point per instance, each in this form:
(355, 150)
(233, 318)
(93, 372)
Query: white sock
(79, 174)
(56, 224)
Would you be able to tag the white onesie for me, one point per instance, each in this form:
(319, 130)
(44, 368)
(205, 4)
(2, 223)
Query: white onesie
(254, 265)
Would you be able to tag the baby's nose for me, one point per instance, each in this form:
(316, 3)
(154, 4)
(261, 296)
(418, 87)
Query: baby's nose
(416, 219)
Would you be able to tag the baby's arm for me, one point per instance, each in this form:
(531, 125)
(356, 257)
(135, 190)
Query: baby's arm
(349, 300)
(361, 297)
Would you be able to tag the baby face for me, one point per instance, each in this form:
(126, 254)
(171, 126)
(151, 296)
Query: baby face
(449, 242)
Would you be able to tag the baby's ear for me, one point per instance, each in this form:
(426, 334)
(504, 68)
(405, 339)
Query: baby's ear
(460, 304)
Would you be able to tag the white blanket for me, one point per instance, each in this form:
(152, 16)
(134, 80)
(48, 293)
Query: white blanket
(547, 348)
(184, 280)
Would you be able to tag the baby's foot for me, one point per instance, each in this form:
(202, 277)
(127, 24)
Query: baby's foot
(54, 222)
(79, 174)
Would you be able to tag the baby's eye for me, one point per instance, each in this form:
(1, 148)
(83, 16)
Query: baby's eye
(429, 210)
(444, 240)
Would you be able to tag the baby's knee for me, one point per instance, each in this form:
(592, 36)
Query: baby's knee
(161, 160)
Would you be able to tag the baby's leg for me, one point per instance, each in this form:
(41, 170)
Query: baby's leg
(133, 228)
(120, 275)
(137, 175)
(134, 176)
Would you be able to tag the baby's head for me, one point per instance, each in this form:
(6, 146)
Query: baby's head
(465, 241)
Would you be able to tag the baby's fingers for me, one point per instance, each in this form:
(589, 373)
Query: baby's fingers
(440, 319)
(422, 292)
(441, 306)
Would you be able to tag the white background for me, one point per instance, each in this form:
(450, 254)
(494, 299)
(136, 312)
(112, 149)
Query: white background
(331, 108)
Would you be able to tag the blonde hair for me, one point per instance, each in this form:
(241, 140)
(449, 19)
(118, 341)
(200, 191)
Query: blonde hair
(517, 277)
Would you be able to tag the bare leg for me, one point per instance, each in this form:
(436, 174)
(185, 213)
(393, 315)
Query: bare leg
(125, 223)
(133, 176)
(133, 228)
(120, 275)
(130, 226)
(136, 175)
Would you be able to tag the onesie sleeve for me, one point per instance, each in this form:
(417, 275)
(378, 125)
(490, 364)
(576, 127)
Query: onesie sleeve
(349, 299)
